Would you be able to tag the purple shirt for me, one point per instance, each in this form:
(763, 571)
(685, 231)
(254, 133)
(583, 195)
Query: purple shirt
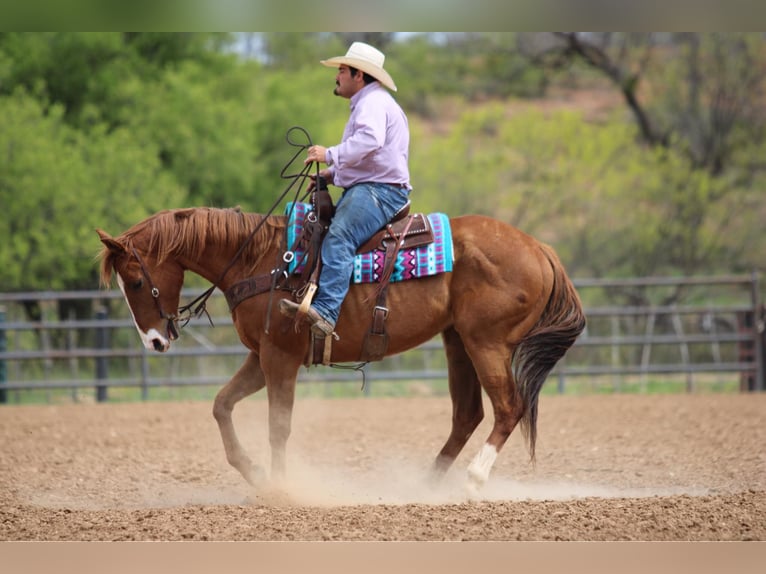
(376, 141)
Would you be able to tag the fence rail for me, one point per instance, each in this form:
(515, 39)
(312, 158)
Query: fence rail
(86, 339)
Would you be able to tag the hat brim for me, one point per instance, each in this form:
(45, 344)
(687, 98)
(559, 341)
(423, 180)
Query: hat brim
(378, 73)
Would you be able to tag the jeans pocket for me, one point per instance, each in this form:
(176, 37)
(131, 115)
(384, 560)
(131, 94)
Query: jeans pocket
(389, 199)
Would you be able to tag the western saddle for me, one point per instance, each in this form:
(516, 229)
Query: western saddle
(404, 231)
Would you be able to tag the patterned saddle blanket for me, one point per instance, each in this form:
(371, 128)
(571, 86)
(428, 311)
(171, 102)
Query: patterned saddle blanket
(411, 263)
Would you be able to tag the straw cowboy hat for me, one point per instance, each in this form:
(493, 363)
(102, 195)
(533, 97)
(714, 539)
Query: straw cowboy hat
(366, 58)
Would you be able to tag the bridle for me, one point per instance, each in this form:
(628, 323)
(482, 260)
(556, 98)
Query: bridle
(171, 318)
(198, 305)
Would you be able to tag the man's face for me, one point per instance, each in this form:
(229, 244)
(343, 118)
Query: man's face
(347, 85)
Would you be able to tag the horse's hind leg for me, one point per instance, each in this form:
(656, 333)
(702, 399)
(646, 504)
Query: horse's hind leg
(494, 369)
(465, 392)
(248, 379)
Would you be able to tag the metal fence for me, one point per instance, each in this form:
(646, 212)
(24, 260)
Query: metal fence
(87, 340)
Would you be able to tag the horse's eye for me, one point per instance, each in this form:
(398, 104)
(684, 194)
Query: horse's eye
(137, 284)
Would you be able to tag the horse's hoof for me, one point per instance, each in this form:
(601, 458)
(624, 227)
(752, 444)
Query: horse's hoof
(473, 486)
(256, 476)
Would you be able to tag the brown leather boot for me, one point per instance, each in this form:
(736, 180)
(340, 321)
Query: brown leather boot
(320, 326)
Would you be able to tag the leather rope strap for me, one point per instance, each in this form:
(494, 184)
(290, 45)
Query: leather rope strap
(375, 342)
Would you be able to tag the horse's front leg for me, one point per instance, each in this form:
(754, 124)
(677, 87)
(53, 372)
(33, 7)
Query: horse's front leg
(248, 379)
(281, 371)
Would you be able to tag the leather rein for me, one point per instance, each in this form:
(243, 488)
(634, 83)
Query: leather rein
(198, 306)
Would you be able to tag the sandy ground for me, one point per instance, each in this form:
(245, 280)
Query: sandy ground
(663, 467)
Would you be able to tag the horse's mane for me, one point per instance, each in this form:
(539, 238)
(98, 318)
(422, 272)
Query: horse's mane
(187, 232)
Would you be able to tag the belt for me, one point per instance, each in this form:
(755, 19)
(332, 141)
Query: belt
(399, 185)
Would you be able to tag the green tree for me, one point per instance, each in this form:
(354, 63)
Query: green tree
(200, 122)
(83, 71)
(102, 129)
(295, 51)
(57, 185)
(610, 207)
(695, 91)
(697, 101)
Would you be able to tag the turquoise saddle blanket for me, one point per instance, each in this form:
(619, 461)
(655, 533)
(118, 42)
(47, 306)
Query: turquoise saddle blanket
(431, 259)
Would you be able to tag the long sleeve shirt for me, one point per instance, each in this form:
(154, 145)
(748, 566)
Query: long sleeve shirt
(375, 144)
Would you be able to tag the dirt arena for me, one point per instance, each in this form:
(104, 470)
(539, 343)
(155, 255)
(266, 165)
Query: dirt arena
(661, 467)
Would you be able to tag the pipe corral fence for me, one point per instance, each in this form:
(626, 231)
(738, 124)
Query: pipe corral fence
(685, 334)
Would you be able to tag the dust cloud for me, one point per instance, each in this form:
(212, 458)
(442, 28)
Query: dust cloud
(392, 483)
(400, 483)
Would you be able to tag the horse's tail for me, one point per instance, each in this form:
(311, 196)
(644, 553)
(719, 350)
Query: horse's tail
(541, 348)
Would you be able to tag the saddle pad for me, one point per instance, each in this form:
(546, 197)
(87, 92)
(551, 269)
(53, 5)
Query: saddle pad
(431, 259)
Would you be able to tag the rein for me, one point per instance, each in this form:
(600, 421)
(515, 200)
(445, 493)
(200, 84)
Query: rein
(199, 305)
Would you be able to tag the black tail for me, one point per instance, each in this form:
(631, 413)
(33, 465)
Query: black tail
(557, 328)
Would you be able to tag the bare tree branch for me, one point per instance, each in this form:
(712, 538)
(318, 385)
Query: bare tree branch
(627, 82)
(707, 89)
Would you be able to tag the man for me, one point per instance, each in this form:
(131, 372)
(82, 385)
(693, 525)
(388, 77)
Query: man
(370, 164)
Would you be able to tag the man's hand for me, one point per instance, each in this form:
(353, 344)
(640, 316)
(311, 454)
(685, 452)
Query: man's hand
(317, 153)
(325, 173)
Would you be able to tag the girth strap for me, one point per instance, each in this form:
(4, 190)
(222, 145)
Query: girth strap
(375, 342)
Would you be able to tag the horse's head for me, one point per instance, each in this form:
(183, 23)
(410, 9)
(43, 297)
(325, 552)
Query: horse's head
(151, 288)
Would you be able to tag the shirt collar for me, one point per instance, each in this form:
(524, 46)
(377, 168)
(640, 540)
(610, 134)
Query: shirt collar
(364, 91)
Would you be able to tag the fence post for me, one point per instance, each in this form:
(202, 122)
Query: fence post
(561, 385)
(367, 383)
(144, 374)
(678, 327)
(3, 368)
(761, 349)
(758, 335)
(102, 369)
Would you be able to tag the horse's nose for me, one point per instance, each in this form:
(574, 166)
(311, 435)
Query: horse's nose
(153, 339)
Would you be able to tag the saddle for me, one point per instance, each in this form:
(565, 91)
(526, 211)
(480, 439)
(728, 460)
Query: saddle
(404, 231)
(411, 230)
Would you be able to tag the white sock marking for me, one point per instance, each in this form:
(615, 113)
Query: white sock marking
(481, 465)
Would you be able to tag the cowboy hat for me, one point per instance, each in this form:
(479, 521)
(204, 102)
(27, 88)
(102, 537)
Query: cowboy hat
(366, 58)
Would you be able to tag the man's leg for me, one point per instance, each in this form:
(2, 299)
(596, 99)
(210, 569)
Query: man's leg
(362, 210)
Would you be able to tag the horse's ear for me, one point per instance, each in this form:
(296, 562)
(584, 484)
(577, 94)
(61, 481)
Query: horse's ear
(110, 243)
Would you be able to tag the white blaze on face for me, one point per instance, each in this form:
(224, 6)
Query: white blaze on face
(147, 338)
(478, 470)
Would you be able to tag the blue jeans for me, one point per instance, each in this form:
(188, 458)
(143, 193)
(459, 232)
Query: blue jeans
(362, 210)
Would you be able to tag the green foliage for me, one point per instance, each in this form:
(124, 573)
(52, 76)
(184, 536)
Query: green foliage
(296, 51)
(103, 129)
(610, 207)
(473, 66)
(83, 71)
(201, 124)
(284, 100)
(706, 96)
(57, 185)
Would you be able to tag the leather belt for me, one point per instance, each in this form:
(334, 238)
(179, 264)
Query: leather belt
(399, 185)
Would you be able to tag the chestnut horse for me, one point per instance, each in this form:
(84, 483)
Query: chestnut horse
(507, 312)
